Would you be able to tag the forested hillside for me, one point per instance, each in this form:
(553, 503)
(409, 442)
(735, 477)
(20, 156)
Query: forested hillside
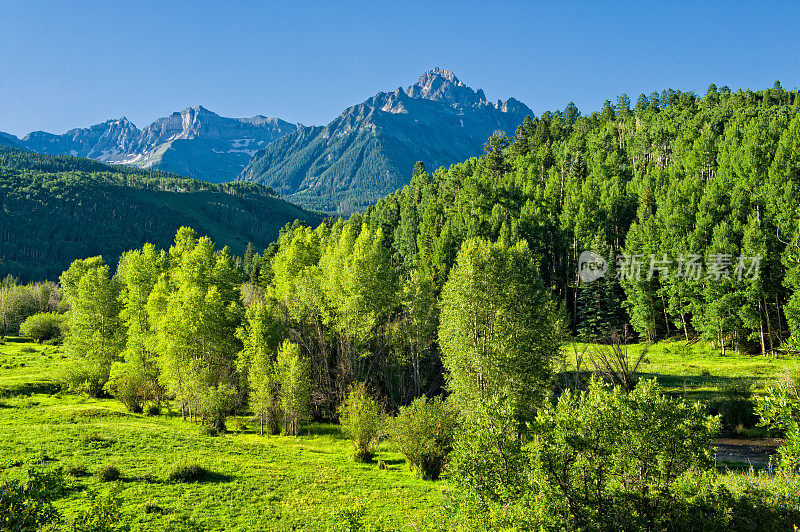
(714, 177)
(56, 209)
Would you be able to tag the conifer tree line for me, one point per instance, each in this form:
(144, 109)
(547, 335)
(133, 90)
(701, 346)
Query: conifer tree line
(286, 332)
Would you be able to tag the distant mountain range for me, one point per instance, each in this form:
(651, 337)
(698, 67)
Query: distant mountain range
(362, 155)
(194, 143)
(370, 149)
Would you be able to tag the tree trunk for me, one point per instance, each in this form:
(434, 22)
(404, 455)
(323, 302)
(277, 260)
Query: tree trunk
(685, 329)
(761, 328)
(769, 327)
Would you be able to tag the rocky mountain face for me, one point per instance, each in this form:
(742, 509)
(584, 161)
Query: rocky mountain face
(194, 142)
(370, 149)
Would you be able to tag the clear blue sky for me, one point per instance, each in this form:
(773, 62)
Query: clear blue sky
(72, 64)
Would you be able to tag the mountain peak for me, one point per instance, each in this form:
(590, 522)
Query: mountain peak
(199, 111)
(442, 85)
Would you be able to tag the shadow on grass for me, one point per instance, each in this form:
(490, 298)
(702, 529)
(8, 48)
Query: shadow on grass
(196, 474)
(18, 340)
(30, 388)
(674, 385)
(322, 429)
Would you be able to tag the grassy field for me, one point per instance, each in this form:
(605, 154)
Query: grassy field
(695, 370)
(257, 483)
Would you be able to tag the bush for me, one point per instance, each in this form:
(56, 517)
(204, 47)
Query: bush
(107, 473)
(361, 420)
(153, 410)
(350, 518)
(43, 326)
(153, 508)
(95, 439)
(779, 409)
(189, 473)
(424, 432)
(601, 459)
(100, 513)
(77, 470)
(215, 405)
(619, 454)
(26, 503)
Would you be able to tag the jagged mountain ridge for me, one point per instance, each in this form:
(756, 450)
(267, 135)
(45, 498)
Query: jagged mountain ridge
(369, 150)
(194, 142)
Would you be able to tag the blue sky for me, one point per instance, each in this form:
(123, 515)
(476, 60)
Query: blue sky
(72, 64)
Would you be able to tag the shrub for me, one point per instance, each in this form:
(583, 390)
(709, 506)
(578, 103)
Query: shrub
(489, 466)
(153, 410)
(617, 456)
(361, 420)
(77, 470)
(596, 460)
(153, 508)
(350, 518)
(26, 503)
(189, 473)
(126, 386)
(107, 473)
(215, 405)
(95, 439)
(43, 326)
(100, 513)
(424, 432)
(779, 409)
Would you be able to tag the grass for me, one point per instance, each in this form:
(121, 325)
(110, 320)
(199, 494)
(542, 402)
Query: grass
(170, 474)
(173, 477)
(29, 368)
(696, 370)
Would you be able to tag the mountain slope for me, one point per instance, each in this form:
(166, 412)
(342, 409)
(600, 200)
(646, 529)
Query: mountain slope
(369, 150)
(194, 142)
(9, 140)
(56, 209)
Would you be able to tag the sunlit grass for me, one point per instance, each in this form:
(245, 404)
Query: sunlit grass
(694, 369)
(256, 483)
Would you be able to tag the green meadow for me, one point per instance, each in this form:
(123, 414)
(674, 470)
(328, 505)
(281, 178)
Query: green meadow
(253, 482)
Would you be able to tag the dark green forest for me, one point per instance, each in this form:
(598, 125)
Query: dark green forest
(54, 210)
